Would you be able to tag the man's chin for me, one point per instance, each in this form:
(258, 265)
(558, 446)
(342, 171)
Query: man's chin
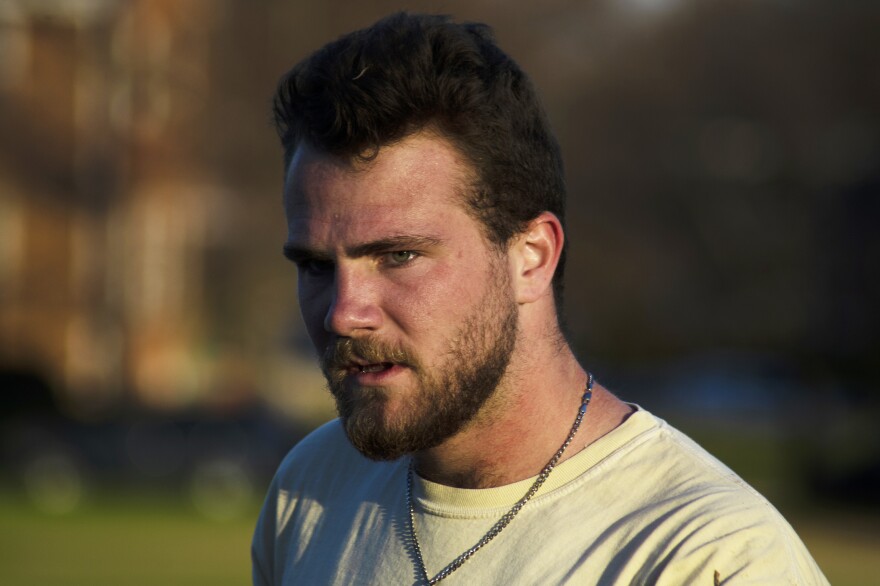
(364, 418)
(381, 439)
(375, 443)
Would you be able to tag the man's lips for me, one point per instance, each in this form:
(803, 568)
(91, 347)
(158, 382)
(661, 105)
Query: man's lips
(369, 368)
(367, 362)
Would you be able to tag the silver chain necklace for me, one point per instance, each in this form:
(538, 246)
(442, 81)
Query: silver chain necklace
(505, 519)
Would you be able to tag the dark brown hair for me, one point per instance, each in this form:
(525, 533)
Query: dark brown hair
(410, 72)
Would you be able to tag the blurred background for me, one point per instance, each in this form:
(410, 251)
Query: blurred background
(723, 159)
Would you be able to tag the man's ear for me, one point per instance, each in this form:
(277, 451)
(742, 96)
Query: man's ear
(534, 255)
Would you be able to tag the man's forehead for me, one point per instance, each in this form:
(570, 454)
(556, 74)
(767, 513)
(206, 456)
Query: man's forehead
(423, 168)
(415, 188)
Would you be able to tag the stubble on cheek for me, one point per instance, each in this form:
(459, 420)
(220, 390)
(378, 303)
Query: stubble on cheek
(366, 412)
(385, 424)
(439, 399)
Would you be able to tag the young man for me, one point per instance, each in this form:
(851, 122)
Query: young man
(425, 204)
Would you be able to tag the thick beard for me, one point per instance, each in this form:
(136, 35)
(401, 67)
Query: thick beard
(445, 399)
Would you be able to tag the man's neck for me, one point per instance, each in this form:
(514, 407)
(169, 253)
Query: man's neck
(523, 425)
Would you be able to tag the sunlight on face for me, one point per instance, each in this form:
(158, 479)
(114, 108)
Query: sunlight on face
(408, 303)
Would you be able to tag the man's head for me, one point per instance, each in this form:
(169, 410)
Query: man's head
(409, 73)
(414, 311)
(424, 198)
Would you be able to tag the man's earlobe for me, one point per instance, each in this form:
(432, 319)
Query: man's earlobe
(535, 255)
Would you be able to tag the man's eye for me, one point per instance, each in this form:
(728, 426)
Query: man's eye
(400, 257)
(314, 267)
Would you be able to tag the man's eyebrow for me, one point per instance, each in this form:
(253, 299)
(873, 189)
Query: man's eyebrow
(298, 253)
(392, 243)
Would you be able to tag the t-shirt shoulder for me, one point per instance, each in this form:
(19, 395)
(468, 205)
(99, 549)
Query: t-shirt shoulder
(703, 512)
(313, 450)
(326, 461)
(681, 467)
(676, 478)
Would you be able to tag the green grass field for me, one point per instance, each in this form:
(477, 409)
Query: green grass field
(128, 540)
(141, 540)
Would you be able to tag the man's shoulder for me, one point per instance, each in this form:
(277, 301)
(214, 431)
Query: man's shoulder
(679, 478)
(327, 443)
(699, 511)
(681, 455)
(684, 468)
(329, 435)
(326, 458)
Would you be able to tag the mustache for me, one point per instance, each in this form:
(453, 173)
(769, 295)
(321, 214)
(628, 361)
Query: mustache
(341, 354)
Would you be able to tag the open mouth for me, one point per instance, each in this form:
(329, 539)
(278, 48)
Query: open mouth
(371, 368)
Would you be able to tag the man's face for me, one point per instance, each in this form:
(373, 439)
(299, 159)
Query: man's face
(406, 302)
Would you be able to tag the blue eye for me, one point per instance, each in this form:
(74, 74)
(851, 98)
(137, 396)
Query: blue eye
(400, 257)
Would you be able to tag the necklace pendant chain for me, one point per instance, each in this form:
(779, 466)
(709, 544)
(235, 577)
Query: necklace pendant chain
(507, 517)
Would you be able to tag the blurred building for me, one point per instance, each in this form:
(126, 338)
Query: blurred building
(107, 213)
(722, 161)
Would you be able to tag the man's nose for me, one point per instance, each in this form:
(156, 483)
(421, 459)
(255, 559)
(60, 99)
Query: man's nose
(353, 305)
